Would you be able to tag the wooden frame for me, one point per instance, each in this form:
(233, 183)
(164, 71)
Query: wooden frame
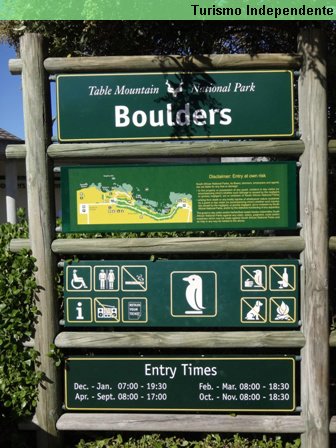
(313, 423)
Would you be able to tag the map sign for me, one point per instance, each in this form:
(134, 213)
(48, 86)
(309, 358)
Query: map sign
(179, 197)
(176, 383)
(182, 293)
(158, 106)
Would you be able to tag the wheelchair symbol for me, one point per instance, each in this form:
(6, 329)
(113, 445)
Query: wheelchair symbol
(77, 282)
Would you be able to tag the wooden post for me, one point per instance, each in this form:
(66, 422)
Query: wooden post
(11, 190)
(41, 211)
(314, 217)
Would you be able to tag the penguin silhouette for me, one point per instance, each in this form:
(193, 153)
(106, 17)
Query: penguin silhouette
(194, 292)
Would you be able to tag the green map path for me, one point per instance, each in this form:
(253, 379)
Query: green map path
(154, 215)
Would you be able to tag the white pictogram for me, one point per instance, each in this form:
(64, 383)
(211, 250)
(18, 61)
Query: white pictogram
(76, 281)
(79, 310)
(254, 313)
(134, 278)
(105, 311)
(283, 312)
(194, 294)
(134, 310)
(283, 283)
(256, 281)
(106, 278)
(282, 277)
(172, 90)
(102, 279)
(258, 278)
(283, 309)
(111, 278)
(253, 277)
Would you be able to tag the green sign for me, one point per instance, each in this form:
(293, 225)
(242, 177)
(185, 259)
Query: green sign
(182, 293)
(157, 106)
(207, 383)
(155, 10)
(179, 197)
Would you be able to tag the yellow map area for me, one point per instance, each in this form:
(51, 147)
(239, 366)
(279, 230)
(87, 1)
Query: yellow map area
(95, 206)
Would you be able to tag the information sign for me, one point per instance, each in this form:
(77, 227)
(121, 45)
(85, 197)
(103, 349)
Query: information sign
(182, 293)
(207, 383)
(179, 197)
(158, 106)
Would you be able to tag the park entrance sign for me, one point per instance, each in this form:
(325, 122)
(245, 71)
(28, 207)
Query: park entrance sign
(182, 293)
(188, 383)
(161, 106)
(179, 197)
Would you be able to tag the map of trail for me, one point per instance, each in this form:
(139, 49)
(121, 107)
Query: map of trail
(124, 204)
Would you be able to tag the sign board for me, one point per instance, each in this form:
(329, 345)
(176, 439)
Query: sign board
(182, 293)
(158, 106)
(175, 383)
(179, 197)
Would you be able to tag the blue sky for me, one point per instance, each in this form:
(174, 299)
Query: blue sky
(11, 115)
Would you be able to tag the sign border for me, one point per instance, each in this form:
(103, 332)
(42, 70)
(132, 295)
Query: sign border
(215, 313)
(174, 358)
(172, 138)
(68, 226)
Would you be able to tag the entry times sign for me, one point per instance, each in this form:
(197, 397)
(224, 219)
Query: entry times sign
(176, 293)
(207, 383)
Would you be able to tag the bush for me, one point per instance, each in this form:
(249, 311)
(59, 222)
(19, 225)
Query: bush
(18, 378)
(210, 441)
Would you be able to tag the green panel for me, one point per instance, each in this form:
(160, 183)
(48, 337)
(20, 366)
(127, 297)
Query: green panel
(179, 197)
(207, 383)
(182, 293)
(149, 106)
(286, 10)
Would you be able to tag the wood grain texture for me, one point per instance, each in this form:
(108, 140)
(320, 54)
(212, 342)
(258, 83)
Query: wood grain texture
(314, 218)
(176, 149)
(15, 151)
(293, 244)
(178, 245)
(15, 66)
(165, 149)
(17, 244)
(37, 125)
(181, 423)
(164, 63)
(178, 339)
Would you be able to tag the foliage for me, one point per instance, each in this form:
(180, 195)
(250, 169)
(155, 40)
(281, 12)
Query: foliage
(18, 379)
(97, 38)
(210, 441)
(124, 37)
(56, 354)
